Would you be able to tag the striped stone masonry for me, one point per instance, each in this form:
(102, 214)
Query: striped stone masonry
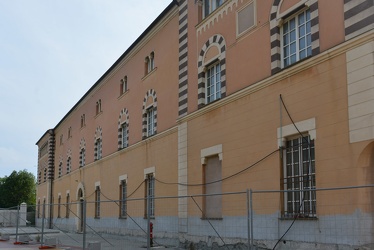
(358, 17)
(275, 33)
(219, 41)
(150, 93)
(123, 119)
(183, 56)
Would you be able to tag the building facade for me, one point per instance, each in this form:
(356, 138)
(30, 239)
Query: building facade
(231, 95)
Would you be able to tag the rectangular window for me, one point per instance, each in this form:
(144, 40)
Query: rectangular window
(43, 149)
(299, 174)
(67, 206)
(213, 185)
(98, 107)
(150, 192)
(97, 202)
(124, 135)
(211, 5)
(296, 38)
(69, 133)
(150, 121)
(83, 120)
(123, 197)
(213, 86)
(59, 207)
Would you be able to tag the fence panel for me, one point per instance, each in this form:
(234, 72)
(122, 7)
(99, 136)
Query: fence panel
(339, 217)
(217, 220)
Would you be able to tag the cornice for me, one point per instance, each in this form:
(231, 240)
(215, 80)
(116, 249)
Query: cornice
(122, 151)
(284, 74)
(214, 16)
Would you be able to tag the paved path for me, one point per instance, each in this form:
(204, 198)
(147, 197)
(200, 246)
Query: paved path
(73, 240)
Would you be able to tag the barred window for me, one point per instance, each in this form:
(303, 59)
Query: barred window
(123, 201)
(299, 177)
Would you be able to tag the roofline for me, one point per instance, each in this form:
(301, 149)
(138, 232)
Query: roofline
(117, 62)
(49, 131)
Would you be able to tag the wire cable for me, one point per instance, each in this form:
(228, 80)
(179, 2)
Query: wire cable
(220, 180)
(309, 163)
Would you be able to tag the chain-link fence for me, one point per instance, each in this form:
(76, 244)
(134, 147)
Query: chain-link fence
(261, 219)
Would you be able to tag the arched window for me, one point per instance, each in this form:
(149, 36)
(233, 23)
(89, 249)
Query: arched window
(212, 71)
(123, 129)
(149, 114)
(294, 33)
(60, 169)
(82, 153)
(98, 144)
(68, 165)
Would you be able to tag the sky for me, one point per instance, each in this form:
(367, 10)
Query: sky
(51, 53)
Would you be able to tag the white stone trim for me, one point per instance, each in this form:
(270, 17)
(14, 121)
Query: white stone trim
(97, 184)
(214, 150)
(150, 170)
(122, 178)
(303, 126)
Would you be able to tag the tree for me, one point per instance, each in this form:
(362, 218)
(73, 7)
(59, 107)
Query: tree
(17, 188)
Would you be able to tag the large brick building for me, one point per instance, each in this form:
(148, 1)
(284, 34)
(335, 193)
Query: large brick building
(212, 87)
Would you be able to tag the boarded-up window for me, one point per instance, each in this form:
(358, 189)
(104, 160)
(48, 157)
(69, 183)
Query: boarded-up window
(246, 18)
(213, 185)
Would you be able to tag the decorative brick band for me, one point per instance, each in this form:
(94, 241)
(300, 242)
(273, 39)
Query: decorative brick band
(123, 119)
(150, 93)
(183, 53)
(219, 41)
(358, 17)
(275, 30)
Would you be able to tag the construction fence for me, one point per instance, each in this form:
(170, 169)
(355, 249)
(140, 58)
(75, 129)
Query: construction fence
(252, 219)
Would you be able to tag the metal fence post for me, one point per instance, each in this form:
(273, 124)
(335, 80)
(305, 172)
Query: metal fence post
(43, 216)
(251, 212)
(84, 206)
(17, 222)
(248, 222)
(148, 221)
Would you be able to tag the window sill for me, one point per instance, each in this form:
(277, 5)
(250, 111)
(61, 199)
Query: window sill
(122, 217)
(123, 94)
(301, 217)
(293, 64)
(98, 114)
(207, 218)
(149, 73)
(152, 217)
